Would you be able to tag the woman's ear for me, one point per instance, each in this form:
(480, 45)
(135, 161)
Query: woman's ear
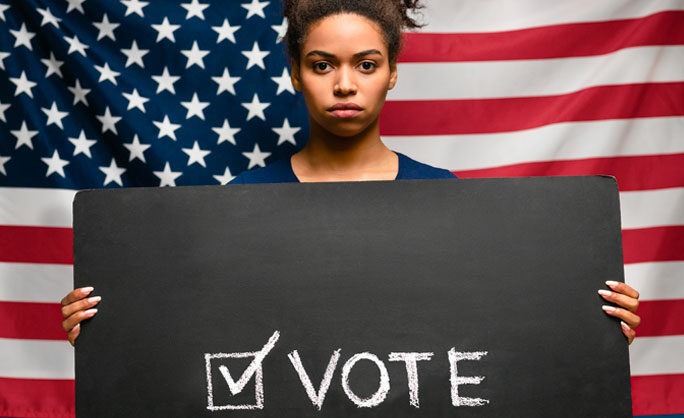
(393, 75)
(295, 76)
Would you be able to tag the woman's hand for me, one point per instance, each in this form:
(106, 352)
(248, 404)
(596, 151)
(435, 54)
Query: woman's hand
(75, 308)
(626, 297)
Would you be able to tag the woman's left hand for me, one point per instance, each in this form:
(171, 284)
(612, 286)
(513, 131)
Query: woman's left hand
(625, 296)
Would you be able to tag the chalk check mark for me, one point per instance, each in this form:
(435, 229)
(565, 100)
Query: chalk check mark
(236, 387)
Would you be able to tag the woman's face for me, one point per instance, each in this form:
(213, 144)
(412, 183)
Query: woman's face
(344, 62)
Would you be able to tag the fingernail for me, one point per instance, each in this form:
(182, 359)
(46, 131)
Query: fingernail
(625, 326)
(611, 282)
(608, 308)
(91, 311)
(604, 292)
(87, 290)
(76, 327)
(94, 299)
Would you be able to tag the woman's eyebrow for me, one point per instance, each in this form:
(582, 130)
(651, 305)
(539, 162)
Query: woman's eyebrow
(357, 55)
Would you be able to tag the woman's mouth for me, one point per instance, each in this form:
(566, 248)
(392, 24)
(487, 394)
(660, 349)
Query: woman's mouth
(345, 110)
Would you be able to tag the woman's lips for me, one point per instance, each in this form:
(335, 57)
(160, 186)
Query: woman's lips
(345, 113)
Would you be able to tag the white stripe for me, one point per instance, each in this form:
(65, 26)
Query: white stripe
(24, 282)
(38, 207)
(35, 359)
(501, 15)
(657, 355)
(644, 209)
(656, 281)
(496, 79)
(572, 140)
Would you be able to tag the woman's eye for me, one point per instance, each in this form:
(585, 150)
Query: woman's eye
(321, 66)
(367, 65)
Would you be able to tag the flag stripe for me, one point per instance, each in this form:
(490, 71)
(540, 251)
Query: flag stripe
(664, 243)
(632, 173)
(448, 117)
(564, 141)
(657, 355)
(663, 28)
(46, 397)
(660, 280)
(658, 394)
(31, 320)
(32, 244)
(35, 206)
(660, 318)
(28, 282)
(490, 16)
(643, 209)
(36, 359)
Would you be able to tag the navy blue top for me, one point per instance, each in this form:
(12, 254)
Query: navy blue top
(281, 172)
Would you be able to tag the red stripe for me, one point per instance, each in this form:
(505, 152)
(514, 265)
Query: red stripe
(472, 116)
(658, 394)
(31, 321)
(663, 243)
(37, 398)
(661, 317)
(644, 172)
(31, 244)
(569, 40)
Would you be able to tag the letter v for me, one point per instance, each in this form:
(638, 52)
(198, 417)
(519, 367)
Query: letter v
(317, 398)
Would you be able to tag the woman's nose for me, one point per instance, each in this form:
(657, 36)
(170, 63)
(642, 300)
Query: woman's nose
(346, 84)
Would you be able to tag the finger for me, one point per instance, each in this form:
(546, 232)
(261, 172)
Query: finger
(76, 294)
(630, 318)
(69, 323)
(73, 334)
(623, 288)
(629, 332)
(80, 305)
(619, 299)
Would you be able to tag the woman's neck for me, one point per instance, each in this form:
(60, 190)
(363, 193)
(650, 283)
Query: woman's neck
(327, 157)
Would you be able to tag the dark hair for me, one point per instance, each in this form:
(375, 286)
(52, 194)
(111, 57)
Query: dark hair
(391, 15)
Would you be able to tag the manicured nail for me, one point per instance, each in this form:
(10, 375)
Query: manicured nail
(87, 290)
(625, 326)
(91, 311)
(611, 282)
(94, 299)
(76, 327)
(608, 308)
(604, 292)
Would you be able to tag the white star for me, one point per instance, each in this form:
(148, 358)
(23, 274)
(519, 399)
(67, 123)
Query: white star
(79, 93)
(135, 55)
(3, 55)
(256, 7)
(226, 133)
(165, 81)
(3, 160)
(108, 121)
(256, 108)
(55, 164)
(226, 82)
(3, 107)
(54, 115)
(225, 178)
(23, 37)
(75, 45)
(286, 133)
(107, 73)
(256, 157)
(24, 85)
(48, 17)
(255, 56)
(167, 177)
(52, 65)
(166, 30)
(195, 55)
(135, 100)
(225, 31)
(106, 28)
(75, 4)
(136, 149)
(284, 82)
(195, 107)
(113, 173)
(196, 155)
(24, 136)
(134, 6)
(166, 128)
(194, 9)
(3, 7)
(82, 144)
(280, 30)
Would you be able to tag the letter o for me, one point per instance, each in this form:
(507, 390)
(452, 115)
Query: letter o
(376, 398)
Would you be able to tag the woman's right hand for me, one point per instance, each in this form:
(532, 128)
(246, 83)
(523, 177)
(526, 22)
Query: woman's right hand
(76, 308)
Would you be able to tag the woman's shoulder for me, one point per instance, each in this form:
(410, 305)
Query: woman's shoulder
(277, 172)
(410, 169)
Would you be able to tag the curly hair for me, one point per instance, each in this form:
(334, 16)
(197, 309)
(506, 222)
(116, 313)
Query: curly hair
(391, 15)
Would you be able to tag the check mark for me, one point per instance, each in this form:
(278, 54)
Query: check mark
(236, 387)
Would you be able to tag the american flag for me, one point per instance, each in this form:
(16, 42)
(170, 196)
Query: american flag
(118, 93)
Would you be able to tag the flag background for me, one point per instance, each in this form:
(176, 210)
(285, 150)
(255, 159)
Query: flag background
(487, 88)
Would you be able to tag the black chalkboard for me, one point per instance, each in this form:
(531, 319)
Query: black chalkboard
(490, 283)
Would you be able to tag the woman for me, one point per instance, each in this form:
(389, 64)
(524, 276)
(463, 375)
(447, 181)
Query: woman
(344, 60)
